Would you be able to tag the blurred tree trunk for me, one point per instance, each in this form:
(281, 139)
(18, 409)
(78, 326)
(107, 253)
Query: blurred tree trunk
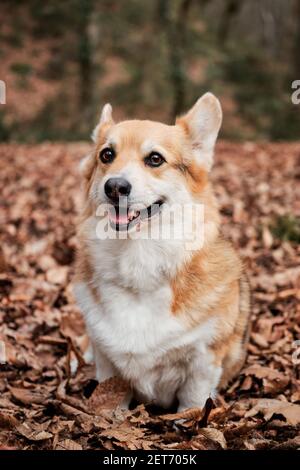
(85, 62)
(232, 9)
(297, 41)
(267, 15)
(173, 20)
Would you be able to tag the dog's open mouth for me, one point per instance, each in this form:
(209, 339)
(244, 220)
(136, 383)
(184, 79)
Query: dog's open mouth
(124, 218)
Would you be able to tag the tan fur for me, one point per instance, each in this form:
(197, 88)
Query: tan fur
(84, 269)
(216, 266)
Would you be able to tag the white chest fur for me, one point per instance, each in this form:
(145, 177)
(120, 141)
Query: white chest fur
(132, 323)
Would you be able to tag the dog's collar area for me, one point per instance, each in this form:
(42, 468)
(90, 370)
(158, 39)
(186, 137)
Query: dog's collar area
(123, 218)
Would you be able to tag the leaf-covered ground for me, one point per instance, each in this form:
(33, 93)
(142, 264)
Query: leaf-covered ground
(42, 406)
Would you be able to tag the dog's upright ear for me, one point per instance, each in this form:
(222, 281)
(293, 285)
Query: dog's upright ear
(106, 119)
(202, 124)
(87, 163)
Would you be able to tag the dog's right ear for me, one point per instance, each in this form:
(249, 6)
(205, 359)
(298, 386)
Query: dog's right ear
(87, 163)
(106, 119)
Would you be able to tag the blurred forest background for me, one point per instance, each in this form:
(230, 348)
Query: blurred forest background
(62, 61)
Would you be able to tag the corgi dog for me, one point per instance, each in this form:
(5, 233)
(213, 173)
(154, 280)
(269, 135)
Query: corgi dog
(170, 319)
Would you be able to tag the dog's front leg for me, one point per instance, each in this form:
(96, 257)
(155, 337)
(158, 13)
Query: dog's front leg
(104, 367)
(201, 383)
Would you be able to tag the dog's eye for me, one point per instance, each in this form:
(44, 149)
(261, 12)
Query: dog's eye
(154, 159)
(107, 155)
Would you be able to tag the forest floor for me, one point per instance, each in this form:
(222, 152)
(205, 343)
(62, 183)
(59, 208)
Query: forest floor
(42, 406)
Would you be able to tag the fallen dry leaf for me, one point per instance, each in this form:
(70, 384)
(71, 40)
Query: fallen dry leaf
(271, 407)
(214, 435)
(27, 396)
(68, 444)
(189, 414)
(107, 395)
(124, 433)
(31, 434)
(7, 420)
(290, 444)
(273, 381)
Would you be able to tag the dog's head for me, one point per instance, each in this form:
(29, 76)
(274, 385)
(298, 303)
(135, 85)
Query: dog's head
(143, 166)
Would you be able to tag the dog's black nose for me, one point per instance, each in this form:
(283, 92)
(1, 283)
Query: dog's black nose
(117, 187)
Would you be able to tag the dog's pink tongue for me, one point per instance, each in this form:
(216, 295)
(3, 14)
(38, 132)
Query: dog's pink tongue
(121, 218)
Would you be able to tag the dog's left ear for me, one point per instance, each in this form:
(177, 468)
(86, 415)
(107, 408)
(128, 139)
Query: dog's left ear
(202, 124)
(106, 119)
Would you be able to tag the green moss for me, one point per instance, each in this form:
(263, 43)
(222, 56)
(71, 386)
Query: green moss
(287, 228)
(4, 130)
(21, 68)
